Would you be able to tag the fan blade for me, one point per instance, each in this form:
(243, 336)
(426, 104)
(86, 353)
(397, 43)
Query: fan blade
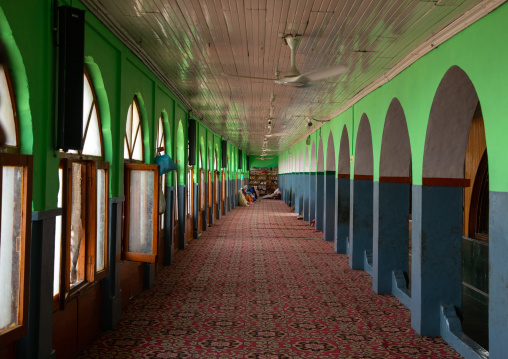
(277, 134)
(249, 77)
(322, 74)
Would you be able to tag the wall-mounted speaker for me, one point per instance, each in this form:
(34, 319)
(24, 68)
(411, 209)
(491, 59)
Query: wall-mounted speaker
(224, 153)
(71, 57)
(248, 163)
(240, 159)
(192, 142)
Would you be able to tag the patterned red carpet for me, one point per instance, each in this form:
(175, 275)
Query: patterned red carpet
(262, 284)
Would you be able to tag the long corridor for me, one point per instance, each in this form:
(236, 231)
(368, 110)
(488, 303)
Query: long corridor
(262, 284)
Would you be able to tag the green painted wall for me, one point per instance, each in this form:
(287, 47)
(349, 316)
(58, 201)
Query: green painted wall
(255, 161)
(119, 74)
(481, 51)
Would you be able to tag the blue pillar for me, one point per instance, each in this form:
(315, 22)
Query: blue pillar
(498, 276)
(390, 233)
(195, 214)
(233, 193)
(218, 210)
(224, 207)
(182, 206)
(297, 192)
(293, 192)
(306, 178)
(169, 223)
(329, 219)
(205, 211)
(342, 214)
(301, 191)
(360, 227)
(312, 196)
(320, 200)
(211, 214)
(436, 255)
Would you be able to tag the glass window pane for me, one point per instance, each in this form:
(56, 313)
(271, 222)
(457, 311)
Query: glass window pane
(6, 110)
(77, 228)
(101, 218)
(125, 150)
(58, 250)
(92, 145)
(128, 127)
(160, 134)
(87, 101)
(140, 211)
(10, 243)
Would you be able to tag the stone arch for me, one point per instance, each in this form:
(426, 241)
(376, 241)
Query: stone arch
(392, 196)
(364, 162)
(450, 119)
(330, 154)
(313, 157)
(320, 166)
(344, 165)
(395, 160)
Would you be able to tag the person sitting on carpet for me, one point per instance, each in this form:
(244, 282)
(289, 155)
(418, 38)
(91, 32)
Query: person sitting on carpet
(241, 199)
(274, 195)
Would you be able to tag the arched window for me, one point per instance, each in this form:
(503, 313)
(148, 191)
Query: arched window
(133, 142)
(16, 204)
(83, 195)
(7, 114)
(161, 147)
(92, 138)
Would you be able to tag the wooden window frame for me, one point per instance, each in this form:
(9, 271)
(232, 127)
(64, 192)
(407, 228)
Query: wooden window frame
(216, 187)
(89, 198)
(134, 256)
(25, 161)
(202, 190)
(223, 186)
(209, 188)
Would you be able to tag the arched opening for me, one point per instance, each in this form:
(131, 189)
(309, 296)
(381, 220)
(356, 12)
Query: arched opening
(342, 206)
(180, 198)
(202, 220)
(360, 239)
(392, 195)
(453, 267)
(320, 186)
(306, 175)
(298, 181)
(312, 184)
(329, 191)
(216, 186)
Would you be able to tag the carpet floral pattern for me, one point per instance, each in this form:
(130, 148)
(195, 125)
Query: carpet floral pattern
(262, 284)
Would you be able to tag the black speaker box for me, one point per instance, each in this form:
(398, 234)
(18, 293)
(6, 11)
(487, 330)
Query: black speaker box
(248, 163)
(71, 57)
(224, 153)
(192, 142)
(240, 165)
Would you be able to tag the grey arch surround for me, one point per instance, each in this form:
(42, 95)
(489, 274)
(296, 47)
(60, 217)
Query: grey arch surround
(330, 154)
(395, 148)
(313, 157)
(450, 119)
(320, 157)
(364, 163)
(344, 166)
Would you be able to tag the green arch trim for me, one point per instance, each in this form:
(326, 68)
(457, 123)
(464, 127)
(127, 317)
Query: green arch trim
(20, 86)
(180, 154)
(104, 111)
(146, 131)
(167, 141)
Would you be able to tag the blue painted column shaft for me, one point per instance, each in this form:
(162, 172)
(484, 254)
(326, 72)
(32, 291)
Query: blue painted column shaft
(218, 205)
(211, 209)
(195, 210)
(320, 200)
(293, 192)
(390, 233)
(182, 211)
(301, 191)
(436, 255)
(233, 193)
(169, 223)
(224, 203)
(360, 227)
(312, 196)
(306, 190)
(329, 219)
(205, 211)
(498, 275)
(342, 214)
(297, 192)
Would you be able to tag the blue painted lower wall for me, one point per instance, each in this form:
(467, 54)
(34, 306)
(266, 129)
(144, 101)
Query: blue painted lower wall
(312, 197)
(306, 179)
(390, 233)
(342, 205)
(320, 200)
(360, 225)
(329, 219)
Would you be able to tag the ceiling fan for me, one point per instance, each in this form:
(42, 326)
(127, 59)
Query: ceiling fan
(293, 77)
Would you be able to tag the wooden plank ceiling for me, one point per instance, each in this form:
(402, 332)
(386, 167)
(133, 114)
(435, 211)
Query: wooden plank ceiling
(193, 43)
